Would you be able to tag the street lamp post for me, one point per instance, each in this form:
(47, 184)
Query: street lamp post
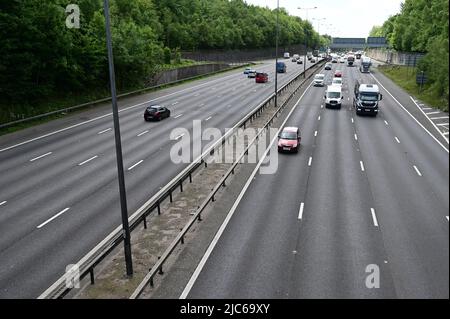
(318, 23)
(122, 191)
(306, 40)
(276, 54)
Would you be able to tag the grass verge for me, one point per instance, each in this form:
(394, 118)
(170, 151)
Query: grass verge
(405, 77)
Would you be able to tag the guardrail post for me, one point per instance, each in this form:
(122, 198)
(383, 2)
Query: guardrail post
(159, 208)
(170, 196)
(182, 237)
(181, 186)
(91, 272)
(190, 178)
(145, 222)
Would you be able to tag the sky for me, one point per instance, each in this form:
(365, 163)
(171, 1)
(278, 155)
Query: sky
(348, 18)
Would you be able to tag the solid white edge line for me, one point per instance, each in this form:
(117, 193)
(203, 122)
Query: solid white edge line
(87, 161)
(417, 121)
(362, 165)
(417, 170)
(374, 217)
(300, 212)
(39, 157)
(426, 115)
(3, 203)
(310, 161)
(142, 133)
(109, 114)
(208, 252)
(54, 217)
(442, 124)
(138, 163)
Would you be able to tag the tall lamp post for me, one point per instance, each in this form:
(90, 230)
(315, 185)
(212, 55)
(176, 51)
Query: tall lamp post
(122, 192)
(318, 23)
(276, 54)
(306, 40)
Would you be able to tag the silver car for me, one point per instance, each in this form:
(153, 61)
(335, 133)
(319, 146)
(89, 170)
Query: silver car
(319, 80)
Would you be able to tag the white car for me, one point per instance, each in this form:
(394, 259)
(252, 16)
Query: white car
(341, 60)
(336, 81)
(319, 79)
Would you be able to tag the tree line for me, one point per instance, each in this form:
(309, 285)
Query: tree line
(42, 58)
(422, 26)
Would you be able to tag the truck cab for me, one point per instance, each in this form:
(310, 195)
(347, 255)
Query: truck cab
(366, 99)
(365, 65)
(350, 60)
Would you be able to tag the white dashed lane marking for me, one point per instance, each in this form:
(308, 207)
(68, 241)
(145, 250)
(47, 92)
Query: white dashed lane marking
(54, 217)
(39, 157)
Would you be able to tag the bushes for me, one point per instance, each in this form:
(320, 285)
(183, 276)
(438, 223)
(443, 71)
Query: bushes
(44, 61)
(422, 26)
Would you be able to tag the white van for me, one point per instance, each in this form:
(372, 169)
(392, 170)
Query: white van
(286, 55)
(333, 96)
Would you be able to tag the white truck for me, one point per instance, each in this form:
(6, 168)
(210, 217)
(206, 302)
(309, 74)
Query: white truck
(366, 98)
(366, 62)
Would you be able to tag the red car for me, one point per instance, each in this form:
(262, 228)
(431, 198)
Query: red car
(261, 77)
(337, 74)
(289, 140)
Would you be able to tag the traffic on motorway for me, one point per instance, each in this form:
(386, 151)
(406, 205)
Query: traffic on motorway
(215, 150)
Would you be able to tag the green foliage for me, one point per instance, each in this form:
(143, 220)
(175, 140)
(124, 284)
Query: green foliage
(422, 26)
(43, 59)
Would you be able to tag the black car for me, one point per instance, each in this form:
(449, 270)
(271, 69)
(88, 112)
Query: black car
(156, 113)
(299, 61)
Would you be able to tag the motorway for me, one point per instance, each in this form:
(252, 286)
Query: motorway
(363, 194)
(59, 190)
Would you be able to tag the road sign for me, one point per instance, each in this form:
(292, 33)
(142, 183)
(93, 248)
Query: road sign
(421, 78)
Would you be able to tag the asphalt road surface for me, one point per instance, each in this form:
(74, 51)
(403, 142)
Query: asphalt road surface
(59, 192)
(364, 196)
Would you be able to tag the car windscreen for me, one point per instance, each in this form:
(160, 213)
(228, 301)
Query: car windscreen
(337, 81)
(289, 135)
(152, 109)
(333, 95)
(319, 77)
(364, 96)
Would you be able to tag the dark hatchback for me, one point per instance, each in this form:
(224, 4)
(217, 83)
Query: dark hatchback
(156, 113)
